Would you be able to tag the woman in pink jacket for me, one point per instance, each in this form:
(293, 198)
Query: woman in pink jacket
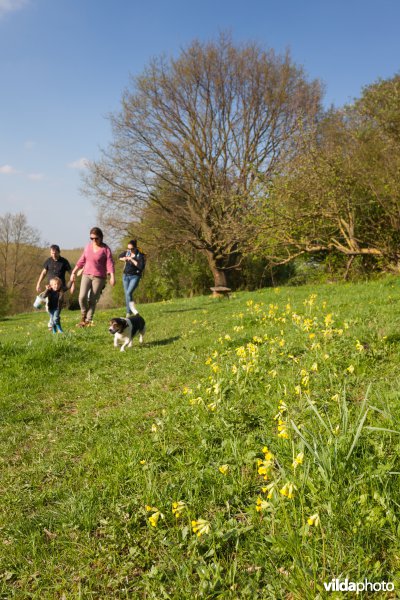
(97, 262)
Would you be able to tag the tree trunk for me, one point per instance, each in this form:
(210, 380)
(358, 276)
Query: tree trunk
(220, 277)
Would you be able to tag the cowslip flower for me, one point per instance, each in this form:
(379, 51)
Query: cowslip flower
(288, 490)
(267, 453)
(313, 520)
(200, 527)
(298, 460)
(178, 508)
(264, 468)
(282, 430)
(223, 469)
(154, 518)
(269, 489)
(350, 369)
(261, 504)
(359, 346)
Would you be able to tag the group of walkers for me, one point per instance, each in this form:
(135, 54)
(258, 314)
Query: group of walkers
(95, 264)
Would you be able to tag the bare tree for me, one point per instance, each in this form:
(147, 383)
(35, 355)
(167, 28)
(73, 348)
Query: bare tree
(20, 253)
(192, 138)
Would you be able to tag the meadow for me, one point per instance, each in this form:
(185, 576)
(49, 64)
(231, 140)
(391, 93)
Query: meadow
(249, 449)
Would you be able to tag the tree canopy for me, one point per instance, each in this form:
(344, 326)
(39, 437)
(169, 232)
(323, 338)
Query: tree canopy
(341, 193)
(193, 138)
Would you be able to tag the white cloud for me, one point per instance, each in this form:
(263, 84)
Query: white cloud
(81, 163)
(36, 176)
(7, 6)
(7, 169)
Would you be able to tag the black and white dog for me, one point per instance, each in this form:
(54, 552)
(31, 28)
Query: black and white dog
(124, 330)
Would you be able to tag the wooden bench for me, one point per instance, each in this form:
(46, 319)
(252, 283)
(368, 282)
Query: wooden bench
(220, 291)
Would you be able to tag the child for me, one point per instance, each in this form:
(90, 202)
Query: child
(55, 300)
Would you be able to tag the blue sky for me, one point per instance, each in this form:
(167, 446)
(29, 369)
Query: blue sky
(65, 63)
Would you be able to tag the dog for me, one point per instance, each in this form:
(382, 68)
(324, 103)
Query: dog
(124, 330)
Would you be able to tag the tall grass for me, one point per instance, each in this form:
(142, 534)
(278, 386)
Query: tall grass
(249, 449)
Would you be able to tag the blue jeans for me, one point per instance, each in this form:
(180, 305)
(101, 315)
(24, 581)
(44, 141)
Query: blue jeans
(54, 317)
(130, 283)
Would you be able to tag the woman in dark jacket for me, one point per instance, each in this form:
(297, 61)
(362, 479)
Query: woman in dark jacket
(133, 269)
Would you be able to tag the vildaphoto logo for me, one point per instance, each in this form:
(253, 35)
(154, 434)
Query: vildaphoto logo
(338, 585)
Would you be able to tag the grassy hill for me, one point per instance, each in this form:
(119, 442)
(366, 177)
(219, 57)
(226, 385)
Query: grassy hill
(249, 449)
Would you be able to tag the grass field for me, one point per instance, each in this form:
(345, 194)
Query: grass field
(249, 449)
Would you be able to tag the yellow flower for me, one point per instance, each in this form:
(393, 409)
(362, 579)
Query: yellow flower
(187, 390)
(261, 504)
(359, 346)
(154, 428)
(201, 527)
(208, 361)
(282, 429)
(178, 508)
(234, 369)
(288, 490)
(305, 380)
(350, 369)
(314, 367)
(269, 489)
(313, 520)
(142, 462)
(215, 367)
(223, 469)
(268, 456)
(212, 406)
(328, 319)
(298, 460)
(153, 520)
